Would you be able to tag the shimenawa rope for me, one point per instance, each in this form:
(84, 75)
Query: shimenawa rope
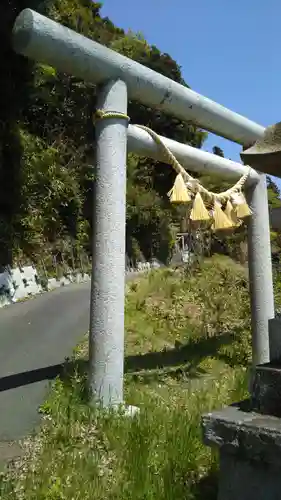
(226, 209)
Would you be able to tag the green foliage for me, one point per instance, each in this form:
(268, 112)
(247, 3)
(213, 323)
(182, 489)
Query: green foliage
(177, 364)
(47, 140)
(15, 78)
(273, 192)
(48, 143)
(52, 202)
(218, 151)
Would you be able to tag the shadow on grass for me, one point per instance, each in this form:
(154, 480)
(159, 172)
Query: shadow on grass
(181, 361)
(192, 354)
(163, 374)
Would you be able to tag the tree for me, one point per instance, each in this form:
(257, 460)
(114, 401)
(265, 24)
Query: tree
(61, 107)
(218, 151)
(16, 80)
(273, 192)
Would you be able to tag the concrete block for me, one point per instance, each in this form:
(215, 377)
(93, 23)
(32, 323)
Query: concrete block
(266, 389)
(53, 284)
(274, 327)
(249, 447)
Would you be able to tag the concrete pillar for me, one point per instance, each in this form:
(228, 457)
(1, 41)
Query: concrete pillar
(260, 270)
(106, 349)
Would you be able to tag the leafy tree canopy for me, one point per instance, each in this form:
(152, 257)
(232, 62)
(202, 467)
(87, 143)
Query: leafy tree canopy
(47, 140)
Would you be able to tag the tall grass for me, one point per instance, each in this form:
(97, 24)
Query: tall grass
(184, 356)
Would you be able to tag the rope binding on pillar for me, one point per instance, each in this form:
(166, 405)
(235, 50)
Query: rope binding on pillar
(101, 115)
(225, 210)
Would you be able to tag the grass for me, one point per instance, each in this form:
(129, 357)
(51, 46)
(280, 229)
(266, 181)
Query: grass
(184, 356)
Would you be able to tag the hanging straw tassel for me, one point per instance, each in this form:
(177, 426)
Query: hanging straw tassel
(179, 192)
(231, 214)
(241, 207)
(221, 221)
(199, 212)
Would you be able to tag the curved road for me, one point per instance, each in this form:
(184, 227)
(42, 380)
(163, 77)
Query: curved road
(35, 336)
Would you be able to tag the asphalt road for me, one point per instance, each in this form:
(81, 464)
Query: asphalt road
(35, 336)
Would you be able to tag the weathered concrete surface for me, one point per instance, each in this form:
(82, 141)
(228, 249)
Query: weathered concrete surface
(275, 218)
(266, 389)
(274, 327)
(250, 453)
(252, 435)
(245, 480)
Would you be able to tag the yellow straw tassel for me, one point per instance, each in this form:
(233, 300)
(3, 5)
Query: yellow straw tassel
(179, 192)
(231, 214)
(242, 209)
(199, 212)
(221, 221)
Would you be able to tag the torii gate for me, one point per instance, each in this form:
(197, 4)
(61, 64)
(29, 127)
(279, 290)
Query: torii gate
(118, 77)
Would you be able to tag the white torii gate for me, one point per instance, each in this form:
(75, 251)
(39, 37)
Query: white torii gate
(46, 41)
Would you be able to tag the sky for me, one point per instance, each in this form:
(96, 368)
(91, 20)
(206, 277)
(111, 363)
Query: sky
(228, 51)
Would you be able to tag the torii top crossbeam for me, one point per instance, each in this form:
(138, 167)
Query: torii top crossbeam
(44, 40)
